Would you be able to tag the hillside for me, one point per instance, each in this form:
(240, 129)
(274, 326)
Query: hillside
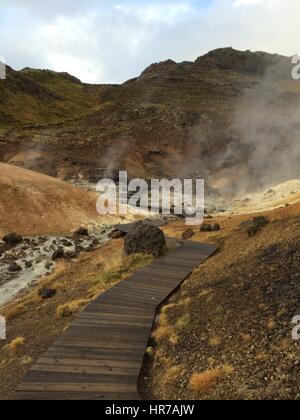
(227, 333)
(35, 204)
(32, 96)
(229, 115)
(207, 328)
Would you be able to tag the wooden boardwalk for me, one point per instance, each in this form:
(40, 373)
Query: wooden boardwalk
(99, 357)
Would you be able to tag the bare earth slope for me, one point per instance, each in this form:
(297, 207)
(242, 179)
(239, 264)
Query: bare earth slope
(32, 203)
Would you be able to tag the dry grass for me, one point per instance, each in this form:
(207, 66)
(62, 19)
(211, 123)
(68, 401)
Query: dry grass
(215, 341)
(15, 345)
(172, 375)
(271, 324)
(183, 321)
(69, 309)
(12, 312)
(246, 338)
(203, 382)
(166, 329)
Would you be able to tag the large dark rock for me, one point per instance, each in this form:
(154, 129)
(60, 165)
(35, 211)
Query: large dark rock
(12, 239)
(145, 239)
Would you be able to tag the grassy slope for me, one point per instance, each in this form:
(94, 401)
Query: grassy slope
(42, 97)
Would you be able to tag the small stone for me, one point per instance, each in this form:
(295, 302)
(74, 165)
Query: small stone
(58, 254)
(215, 227)
(12, 239)
(189, 233)
(14, 267)
(82, 231)
(47, 293)
(70, 255)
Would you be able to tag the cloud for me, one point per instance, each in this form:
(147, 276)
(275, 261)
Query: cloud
(109, 41)
(238, 3)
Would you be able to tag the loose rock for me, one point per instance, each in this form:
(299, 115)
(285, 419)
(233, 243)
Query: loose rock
(14, 267)
(47, 293)
(187, 234)
(12, 239)
(82, 231)
(58, 254)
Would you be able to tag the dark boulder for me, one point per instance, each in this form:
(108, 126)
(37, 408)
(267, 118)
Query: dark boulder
(145, 239)
(58, 254)
(12, 239)
(14, 268)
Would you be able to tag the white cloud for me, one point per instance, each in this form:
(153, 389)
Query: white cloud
(110, 41)
(238, 3)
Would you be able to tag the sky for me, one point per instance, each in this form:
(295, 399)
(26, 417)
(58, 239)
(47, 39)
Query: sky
(110, 41)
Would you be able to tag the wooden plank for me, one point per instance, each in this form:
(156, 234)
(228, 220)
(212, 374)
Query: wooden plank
(100, 355)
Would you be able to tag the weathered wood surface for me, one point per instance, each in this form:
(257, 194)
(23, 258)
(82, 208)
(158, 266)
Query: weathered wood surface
(101, 354)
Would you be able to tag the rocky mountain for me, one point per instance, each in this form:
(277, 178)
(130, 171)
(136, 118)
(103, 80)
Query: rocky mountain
(230, 116)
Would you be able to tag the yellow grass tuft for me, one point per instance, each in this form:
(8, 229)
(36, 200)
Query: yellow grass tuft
(69, 309)
(271, 324)
(162, 332)
(174, 339)
(26, 360)
(183, 321)
(215, 342)
(172, 375)
(15, 345)
(246, 338)
(205, 381)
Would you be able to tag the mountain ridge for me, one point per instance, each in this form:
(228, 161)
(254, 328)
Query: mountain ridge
(183, 119)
